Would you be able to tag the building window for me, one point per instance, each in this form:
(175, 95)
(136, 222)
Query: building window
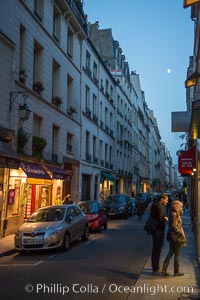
(22, 71)
(69, 142)
(87, 98)
(106, 116)
(95, 71)
(55, 143)
(56, 83)
(110, 155)
(70, 41)
(101, 111)
(69, 91)
(38, 9)
(106, 154)
(94, 105)
(88, 59)
(107, 87)
(56, 23)
(87, 146)
(101, 150)
(94, 146)
(37, 123)
(111, 92)
(37, 67)
(111, 121)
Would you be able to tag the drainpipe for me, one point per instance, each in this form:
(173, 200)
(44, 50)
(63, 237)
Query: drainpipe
(81, 128)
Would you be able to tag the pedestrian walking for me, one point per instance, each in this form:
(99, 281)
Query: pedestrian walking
(140, 209)
(176, 238)
(67, 199)
(158, 212)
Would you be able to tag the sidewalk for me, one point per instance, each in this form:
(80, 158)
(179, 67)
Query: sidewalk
(7, 245)
(185, 287)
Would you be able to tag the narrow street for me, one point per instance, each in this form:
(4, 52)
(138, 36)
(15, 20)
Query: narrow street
(103, 266)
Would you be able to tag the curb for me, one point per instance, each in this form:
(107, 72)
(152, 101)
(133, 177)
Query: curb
(8, 252)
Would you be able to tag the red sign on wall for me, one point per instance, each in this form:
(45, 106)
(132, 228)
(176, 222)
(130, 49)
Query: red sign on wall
(187, 161)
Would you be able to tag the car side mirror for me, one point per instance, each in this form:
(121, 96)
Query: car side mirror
(69, 219)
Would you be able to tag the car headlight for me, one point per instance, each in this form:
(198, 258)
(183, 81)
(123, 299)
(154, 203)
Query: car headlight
(94, 217)
(55, 231)
(17, 234)
(121, 208)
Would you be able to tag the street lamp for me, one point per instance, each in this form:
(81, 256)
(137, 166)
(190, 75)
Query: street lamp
(189, 2)
(24, 110)
(192, 79)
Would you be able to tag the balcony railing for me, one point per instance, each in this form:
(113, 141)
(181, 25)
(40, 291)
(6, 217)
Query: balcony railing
(79, 13)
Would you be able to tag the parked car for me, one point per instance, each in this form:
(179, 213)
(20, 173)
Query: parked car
(134, 205)
(52, 227)
(145, 197)
(118, 205)
(96, 214)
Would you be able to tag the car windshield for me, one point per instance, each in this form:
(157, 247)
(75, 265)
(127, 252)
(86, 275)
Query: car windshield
(89, 207)
(114, 199)
(47, 215)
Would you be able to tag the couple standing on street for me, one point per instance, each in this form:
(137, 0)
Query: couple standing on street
(175, 234)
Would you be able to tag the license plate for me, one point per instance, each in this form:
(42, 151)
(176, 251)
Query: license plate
(32, 241)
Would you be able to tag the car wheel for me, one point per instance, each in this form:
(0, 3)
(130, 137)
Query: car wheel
(66, 242)
(99, 229)
(105, 226)
(85, 236)
(126, 215)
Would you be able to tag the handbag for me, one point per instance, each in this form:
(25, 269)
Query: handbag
(171, 236)
(150, 225)
(181, 239)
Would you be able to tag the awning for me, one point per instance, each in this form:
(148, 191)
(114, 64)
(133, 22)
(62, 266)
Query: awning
(187, 161)
(34, 170)
(8, 156)
(107, 176)
(58, 172)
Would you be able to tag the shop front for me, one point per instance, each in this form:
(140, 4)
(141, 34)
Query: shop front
(9, 160)
(106, 185)
(59, 176)
(30, 187)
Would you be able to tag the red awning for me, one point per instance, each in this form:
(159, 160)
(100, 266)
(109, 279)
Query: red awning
(34, 170)
(187, 161)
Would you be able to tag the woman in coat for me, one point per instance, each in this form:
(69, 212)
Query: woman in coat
(176, 238)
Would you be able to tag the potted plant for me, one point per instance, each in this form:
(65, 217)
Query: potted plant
(38, 87)
(22, 140)
(23, 76)
(38, 145)
(57, 101)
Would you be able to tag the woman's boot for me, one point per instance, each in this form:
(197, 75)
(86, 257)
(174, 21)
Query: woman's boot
(176, 270)
(164, 269)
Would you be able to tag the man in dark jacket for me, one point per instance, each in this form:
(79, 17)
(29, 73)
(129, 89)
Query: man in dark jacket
(158, 212)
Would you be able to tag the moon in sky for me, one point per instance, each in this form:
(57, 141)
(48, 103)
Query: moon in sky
(169, 71)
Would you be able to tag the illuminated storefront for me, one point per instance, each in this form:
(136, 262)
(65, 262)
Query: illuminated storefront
(106, 185)
(30, 187)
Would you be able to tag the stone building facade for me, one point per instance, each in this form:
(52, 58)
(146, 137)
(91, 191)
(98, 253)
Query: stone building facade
(88, 130)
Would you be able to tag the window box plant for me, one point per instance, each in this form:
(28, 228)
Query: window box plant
(23, 76)
(38, 87)
(57, 101)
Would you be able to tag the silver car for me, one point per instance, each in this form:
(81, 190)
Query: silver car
(51, 227)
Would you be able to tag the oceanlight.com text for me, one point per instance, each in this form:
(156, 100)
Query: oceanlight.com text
(76, 288)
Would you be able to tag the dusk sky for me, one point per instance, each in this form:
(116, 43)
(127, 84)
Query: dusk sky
(156, 37)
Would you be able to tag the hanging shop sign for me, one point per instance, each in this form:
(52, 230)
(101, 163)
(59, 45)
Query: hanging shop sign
(187, 161)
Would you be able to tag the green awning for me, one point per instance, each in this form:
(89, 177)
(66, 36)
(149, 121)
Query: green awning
(107, 176)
